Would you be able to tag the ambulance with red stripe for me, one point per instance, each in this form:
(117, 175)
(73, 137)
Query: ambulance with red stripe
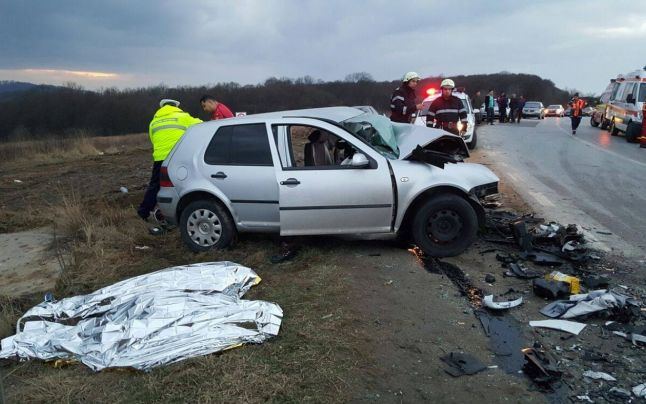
(624, 107)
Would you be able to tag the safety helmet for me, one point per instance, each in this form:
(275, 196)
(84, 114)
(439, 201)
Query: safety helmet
(410, 76)
(168, 101)
(447, 83)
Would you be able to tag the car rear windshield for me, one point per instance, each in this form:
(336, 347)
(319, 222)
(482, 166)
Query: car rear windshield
(555, 107)
(532, 105)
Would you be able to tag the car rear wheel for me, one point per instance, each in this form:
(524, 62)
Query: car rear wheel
(206, 225)
(613, 129)
(445, 226)
(474, 141)
(632, 132)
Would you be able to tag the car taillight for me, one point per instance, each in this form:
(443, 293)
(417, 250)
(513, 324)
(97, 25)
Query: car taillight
(164, 179)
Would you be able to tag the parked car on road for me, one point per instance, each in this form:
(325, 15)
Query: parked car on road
(555, 110)
(534, 109)
(469, 134)
(322, 171)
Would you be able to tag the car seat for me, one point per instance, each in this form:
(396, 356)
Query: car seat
(317, 151)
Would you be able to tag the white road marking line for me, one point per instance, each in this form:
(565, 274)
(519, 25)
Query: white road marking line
(540, 198)
(596, 146)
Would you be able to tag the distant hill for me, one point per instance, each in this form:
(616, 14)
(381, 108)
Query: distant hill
(9, 88)
(30, 110)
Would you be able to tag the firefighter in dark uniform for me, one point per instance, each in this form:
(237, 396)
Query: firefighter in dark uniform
(447, 111)
(402, 103)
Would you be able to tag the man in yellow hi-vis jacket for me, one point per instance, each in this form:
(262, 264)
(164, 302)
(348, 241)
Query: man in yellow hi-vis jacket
(166, 128)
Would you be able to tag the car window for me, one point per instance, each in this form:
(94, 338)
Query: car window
(311, 147)
(243, 145)
(642, 93)
(620, 92)
(532, 105)
(631, 89)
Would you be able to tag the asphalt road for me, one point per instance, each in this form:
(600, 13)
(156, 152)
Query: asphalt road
(591, 179)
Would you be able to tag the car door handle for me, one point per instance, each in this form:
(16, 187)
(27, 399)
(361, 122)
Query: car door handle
(290, 181)
(219, 175)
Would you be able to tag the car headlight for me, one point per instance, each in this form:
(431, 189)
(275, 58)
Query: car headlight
(460, 126)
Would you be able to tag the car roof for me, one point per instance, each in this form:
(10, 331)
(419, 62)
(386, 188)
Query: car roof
(336, 114)
(461, 96)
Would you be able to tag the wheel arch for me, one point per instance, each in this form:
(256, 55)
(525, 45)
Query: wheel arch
(193, 196)
(405, 226)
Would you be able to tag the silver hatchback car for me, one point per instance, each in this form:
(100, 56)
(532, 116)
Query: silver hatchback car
(320, 171)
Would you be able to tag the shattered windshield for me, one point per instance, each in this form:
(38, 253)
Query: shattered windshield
(376, 131)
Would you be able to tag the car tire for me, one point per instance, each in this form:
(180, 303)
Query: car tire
(206, 225)
(593, 122)
(604, 123)
(613, 129)
(633, 131)
(445, 225)
(474, 140)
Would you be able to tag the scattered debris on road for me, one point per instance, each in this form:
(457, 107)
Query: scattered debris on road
(461, 364)
(562, 325)
(489, 303)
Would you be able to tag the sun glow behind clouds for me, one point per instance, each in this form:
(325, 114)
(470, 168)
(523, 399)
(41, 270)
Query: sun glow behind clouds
(71, 73)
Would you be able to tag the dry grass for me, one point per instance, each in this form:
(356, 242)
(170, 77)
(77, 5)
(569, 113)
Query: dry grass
(58, 149)
(310, 360)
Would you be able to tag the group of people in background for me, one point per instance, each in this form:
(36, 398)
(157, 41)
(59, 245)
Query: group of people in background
(515, 104)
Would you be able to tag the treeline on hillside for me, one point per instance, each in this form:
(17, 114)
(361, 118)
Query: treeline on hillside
(66, 110)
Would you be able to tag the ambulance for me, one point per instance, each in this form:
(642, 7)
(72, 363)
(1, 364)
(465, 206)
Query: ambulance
(623, 112)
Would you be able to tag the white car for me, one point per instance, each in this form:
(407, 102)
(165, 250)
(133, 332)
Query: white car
(468, 134)
(319, 171)
(555, 110)
(496, 110)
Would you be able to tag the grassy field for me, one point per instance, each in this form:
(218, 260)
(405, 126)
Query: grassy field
(97, 231)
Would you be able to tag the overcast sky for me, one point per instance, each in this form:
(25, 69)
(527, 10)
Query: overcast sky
(577, 44)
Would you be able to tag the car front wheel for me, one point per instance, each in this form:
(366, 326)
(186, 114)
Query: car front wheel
(445, 226)
(206, 225)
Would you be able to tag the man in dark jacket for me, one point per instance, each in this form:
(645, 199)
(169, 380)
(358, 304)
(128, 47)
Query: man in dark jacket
(519, 111)
(503, 103)
(447, 111)
(402, 102)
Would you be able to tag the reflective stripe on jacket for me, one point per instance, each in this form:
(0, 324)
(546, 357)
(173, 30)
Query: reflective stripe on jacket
(446, 111)
(577, 107)
(402, 104)
(166, 128)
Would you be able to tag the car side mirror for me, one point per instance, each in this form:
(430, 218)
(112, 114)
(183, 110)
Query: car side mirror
(359, 160)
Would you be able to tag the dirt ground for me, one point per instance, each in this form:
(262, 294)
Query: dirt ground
(365, 321)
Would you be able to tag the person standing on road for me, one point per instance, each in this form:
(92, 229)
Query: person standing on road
(576, 104)
(490, 104)
(402, 102)
(513, 107)
(476, 101)
(503, 102)
(447, 110)
(519, 111)
(166, 128)
(215, 109)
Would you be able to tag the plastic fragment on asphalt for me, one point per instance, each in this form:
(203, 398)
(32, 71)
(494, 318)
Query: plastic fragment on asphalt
(562, 325)
(640, 390)
(123, 190)
(598, 375)
(17, 181)
(584, 398)
(488, 302)
(621, 394)
(461, 364)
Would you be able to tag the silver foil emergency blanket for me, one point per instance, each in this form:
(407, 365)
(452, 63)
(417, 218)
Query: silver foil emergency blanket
(149, 320)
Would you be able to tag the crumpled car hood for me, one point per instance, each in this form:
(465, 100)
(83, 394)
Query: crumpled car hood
(429, 145)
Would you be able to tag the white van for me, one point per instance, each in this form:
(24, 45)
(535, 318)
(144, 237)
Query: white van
(624, 108)
(469, 135)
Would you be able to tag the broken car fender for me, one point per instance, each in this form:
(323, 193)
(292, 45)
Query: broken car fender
(414, 179)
